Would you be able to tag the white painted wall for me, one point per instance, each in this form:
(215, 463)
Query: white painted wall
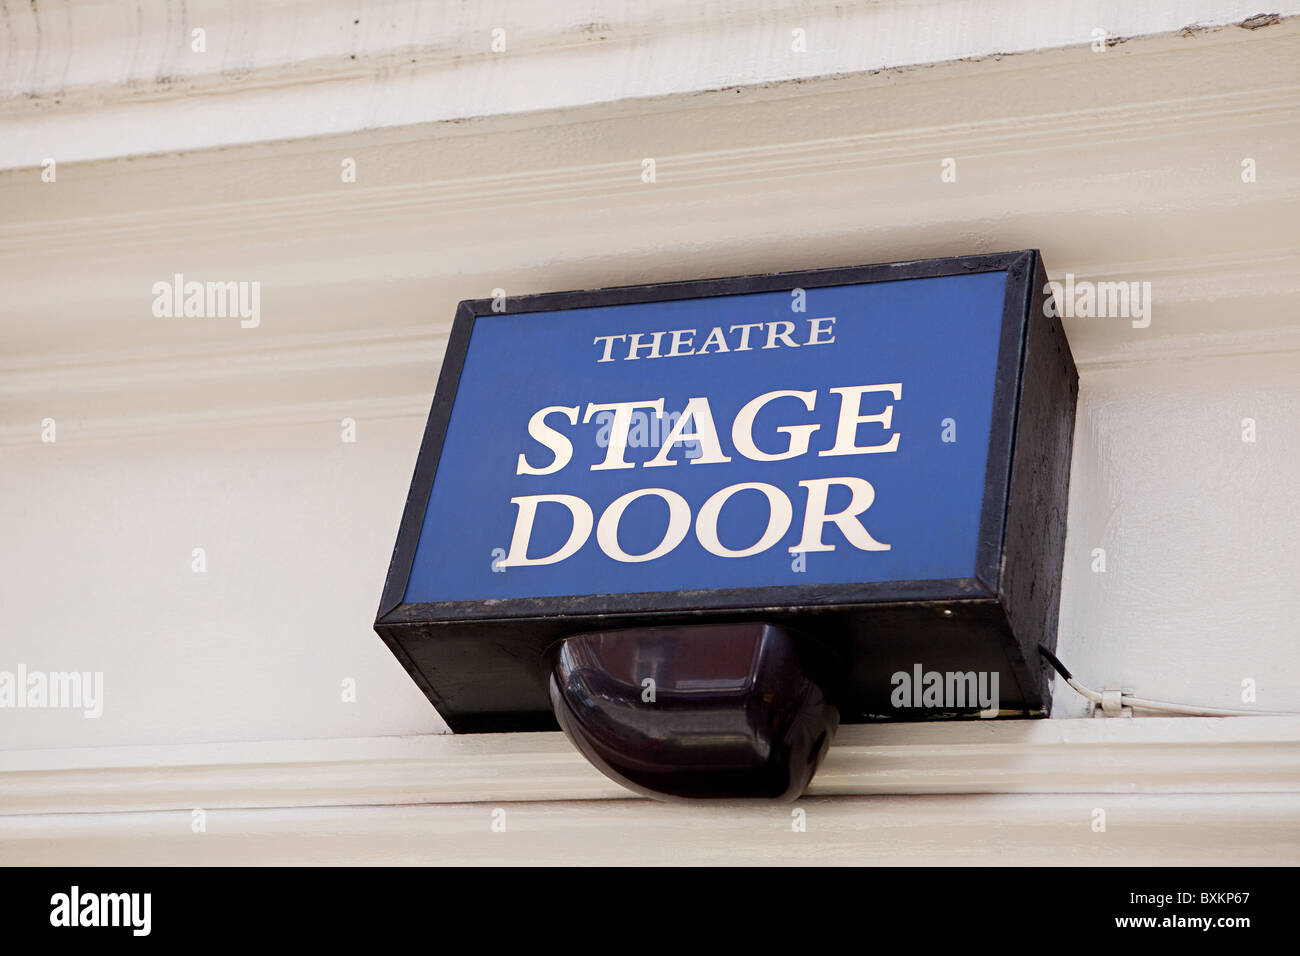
(176, 434)
(294, 524)
(1197, 526)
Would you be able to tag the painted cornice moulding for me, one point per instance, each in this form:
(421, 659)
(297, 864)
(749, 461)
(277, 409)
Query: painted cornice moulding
(83, 81)
(1120, 166)
(1082, 756)
(289, 209)
(293, 380)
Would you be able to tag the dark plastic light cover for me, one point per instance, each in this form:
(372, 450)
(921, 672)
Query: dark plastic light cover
(704, 711)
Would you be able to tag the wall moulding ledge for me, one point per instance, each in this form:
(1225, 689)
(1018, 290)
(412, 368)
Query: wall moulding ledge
(776, 136)
(360, 281)
(1137, 756)
(301, 68)
(259, 377)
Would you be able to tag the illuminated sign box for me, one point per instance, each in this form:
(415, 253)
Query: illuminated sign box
(876, 457)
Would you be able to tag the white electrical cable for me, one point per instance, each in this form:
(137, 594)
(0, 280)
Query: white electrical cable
(1160, 706)
(1141, 703)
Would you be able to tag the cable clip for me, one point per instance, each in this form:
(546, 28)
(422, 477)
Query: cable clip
(1112, 705)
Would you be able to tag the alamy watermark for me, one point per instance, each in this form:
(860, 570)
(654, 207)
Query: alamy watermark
(63, 690)
(208, 300)
(1102, 300)
(75, 908)
(647, 430)
(946, 690)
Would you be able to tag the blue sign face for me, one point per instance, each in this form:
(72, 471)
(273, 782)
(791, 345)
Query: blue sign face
(793, 438)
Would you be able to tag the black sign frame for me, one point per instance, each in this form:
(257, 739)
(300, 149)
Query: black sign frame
(490, 651)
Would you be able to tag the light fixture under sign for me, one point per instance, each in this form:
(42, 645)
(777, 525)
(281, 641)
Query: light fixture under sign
(699, 623)
(702, 711)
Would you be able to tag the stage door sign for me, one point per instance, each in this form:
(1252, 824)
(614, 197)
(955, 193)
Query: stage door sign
(849, 452)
